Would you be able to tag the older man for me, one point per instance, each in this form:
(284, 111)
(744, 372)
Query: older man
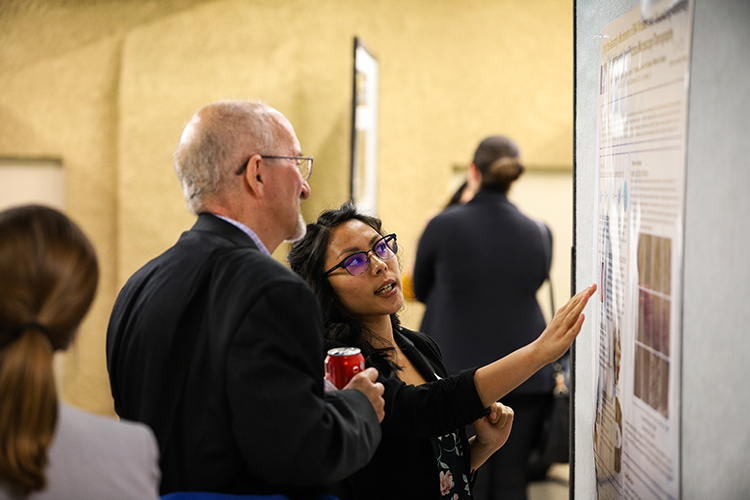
(218, 347)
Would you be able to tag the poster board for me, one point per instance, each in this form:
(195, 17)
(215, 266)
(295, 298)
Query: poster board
(715, 401)
(640, 182)
(364, 143)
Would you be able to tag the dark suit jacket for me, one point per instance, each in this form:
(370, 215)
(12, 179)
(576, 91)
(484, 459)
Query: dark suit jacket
(478, 269)
(405, 465)
(218, 348)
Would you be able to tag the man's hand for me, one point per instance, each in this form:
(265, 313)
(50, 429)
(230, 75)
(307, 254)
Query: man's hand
(364, 382)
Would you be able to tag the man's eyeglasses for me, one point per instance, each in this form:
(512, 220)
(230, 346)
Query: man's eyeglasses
(304, 164)
(357, 263)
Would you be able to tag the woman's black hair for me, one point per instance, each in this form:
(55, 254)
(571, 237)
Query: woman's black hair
(456, 198)
(307, 258)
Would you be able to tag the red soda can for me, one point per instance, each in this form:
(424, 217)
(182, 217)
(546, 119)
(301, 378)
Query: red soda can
(342, 363)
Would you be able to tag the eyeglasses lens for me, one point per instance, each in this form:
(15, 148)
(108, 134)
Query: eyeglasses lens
(386, 248)
(304, 166)
(359, 262)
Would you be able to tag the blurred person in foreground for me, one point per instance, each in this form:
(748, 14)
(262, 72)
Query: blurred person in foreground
(353, 267)
(478, 269)
(49, 449)
(219, 347)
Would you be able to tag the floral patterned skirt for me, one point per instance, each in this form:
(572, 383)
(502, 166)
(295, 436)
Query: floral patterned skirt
(454, 478)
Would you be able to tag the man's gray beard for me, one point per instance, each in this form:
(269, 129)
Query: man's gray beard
(299, 231)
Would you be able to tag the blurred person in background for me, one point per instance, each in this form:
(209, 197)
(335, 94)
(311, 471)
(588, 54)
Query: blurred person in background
(461, 195)
(478, 268)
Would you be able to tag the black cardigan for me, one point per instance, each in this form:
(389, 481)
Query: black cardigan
(404, 464)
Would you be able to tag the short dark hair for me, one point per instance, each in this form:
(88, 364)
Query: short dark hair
(307, 258)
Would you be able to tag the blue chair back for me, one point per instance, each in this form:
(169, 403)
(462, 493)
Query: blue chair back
(204, 495)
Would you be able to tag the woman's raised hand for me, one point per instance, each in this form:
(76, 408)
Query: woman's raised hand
(497, 379)
(564, 327)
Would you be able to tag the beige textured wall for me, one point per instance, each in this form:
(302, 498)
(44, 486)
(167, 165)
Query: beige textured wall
(106, 87)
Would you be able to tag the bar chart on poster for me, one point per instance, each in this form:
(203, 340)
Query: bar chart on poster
(642, 137)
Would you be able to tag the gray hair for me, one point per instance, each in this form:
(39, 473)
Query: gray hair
(208, 153)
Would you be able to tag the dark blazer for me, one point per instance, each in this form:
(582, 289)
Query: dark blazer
(405, 466)
(478, 269)
(219, 348)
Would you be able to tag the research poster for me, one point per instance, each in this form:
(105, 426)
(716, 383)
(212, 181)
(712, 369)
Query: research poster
(642, 127)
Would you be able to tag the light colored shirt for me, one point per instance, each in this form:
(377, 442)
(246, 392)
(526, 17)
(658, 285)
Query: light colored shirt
(247, 231)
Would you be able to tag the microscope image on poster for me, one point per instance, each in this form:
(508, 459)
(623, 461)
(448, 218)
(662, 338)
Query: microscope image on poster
(651, 383)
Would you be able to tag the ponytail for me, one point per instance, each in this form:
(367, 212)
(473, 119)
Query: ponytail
(48, 278)
(29, 410)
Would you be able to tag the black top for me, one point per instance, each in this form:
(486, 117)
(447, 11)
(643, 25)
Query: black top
(478, 268)
(219, 348)
(407, 464)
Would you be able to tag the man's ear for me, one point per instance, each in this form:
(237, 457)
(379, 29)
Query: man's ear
(255, 175)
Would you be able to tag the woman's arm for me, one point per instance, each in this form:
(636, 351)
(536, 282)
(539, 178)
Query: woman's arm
(438, 407)
(497, 379)
(432, 409)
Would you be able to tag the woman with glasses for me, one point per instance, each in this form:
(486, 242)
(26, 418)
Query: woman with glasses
(352, 266)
